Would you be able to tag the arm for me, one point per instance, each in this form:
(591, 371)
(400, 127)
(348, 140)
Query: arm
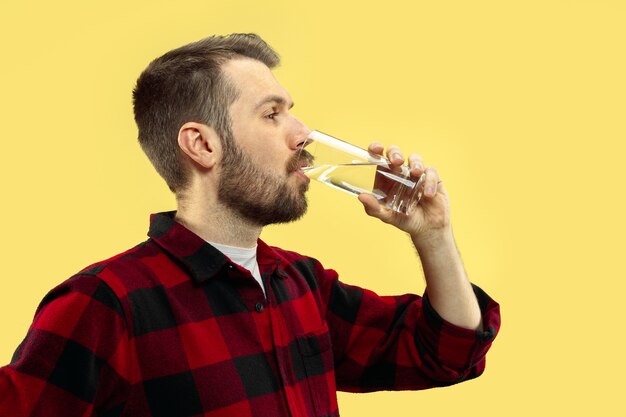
(73, 361)
(411, 342)
(400, 342)
(448, 287)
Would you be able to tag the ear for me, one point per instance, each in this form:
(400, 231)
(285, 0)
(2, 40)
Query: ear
(200, 143)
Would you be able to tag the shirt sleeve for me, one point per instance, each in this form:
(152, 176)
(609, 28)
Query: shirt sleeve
(400, 342)
(74, 359)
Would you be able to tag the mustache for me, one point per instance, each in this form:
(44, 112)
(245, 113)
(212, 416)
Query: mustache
(300, 159)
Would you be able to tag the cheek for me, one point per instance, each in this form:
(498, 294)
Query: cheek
(270, 156)
(266, 149)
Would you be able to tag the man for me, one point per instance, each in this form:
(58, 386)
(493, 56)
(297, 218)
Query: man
(206, 319)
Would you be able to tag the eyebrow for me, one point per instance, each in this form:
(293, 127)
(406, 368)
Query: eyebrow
(274, 99)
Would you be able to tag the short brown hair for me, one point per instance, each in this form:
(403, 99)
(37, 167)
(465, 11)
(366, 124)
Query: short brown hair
(187, 85)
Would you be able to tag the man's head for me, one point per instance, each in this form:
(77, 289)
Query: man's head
(187, 85)
(215, 106)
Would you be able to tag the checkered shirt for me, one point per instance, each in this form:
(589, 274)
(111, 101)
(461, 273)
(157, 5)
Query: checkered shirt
(173, 328)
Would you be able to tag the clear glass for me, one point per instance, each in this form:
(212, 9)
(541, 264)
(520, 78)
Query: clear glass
(354, 170)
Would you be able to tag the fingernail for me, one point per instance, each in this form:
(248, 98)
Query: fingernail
(397, 157)
(429, 190)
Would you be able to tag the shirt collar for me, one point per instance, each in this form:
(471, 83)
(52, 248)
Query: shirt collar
(202, 260)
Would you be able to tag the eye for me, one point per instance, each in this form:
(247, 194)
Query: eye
(272, 115)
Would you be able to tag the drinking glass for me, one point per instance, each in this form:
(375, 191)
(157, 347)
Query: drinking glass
(354, 170)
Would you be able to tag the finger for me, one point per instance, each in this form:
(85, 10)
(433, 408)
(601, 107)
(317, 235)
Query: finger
(395, 155)
(416, 165)
(431, 182)
(376, 147)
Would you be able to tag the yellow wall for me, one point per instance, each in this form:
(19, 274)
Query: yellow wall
(520, 104)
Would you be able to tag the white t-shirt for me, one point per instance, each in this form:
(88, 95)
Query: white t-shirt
(244, 257)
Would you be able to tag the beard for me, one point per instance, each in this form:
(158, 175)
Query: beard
(258, 195)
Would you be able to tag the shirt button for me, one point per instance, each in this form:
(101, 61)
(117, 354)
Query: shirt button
(259, 307)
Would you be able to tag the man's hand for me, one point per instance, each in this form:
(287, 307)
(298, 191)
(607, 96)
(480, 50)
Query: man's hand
(430, 219)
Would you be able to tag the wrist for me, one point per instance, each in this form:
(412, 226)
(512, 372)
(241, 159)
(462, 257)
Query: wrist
(433, 240)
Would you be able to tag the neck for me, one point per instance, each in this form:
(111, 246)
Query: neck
(215, 223)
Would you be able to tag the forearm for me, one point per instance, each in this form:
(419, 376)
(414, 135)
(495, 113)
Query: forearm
(449, 290)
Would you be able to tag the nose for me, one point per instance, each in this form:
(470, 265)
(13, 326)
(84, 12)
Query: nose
(299, 137)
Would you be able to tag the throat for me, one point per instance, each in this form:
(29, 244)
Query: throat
(221, 225)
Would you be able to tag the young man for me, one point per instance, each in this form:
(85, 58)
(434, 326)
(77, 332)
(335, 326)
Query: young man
(205, 319)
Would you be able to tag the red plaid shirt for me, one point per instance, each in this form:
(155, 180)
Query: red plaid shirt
(173, 328)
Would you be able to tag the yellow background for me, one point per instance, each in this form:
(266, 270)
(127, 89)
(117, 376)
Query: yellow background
(520, 104)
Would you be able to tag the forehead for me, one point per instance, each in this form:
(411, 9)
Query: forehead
(255, 82)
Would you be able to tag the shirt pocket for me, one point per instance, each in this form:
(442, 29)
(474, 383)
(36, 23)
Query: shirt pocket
(316, 356)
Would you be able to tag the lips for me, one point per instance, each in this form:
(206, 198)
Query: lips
(297, 168)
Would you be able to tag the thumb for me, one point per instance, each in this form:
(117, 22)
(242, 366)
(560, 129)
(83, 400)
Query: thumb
(374, 208)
